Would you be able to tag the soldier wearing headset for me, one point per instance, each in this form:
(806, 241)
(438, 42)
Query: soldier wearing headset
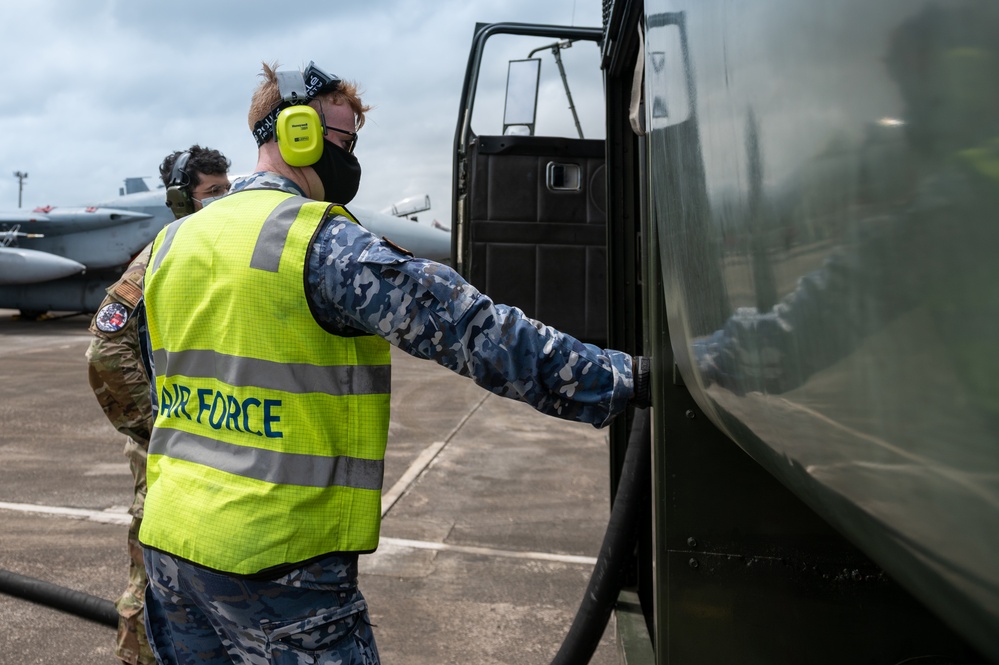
(192, 178)
(270, 315)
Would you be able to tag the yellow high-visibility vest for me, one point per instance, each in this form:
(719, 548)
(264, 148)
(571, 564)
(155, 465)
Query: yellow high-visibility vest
(269, 442)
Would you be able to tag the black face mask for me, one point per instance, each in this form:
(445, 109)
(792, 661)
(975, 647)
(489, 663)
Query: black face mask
(339, 172)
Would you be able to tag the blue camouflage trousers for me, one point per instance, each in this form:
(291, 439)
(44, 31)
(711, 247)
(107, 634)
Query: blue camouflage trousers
(314, 614)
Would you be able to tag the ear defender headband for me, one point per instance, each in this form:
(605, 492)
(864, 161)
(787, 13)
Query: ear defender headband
(178, 198)
(297, 127)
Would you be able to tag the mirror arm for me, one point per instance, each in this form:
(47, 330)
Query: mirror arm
(556, 50)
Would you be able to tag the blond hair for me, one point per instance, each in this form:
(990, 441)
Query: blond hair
(267, 96)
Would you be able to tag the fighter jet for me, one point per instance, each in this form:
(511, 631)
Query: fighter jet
(63, 258)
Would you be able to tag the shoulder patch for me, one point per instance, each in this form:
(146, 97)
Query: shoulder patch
(128, 291)
(111, 318)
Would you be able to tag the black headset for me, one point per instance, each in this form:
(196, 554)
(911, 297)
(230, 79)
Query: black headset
(178, 194)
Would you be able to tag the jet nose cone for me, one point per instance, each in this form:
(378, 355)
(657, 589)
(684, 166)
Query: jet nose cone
(26, 266)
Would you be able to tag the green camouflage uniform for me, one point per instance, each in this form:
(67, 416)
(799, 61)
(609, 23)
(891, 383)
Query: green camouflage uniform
(122, 388)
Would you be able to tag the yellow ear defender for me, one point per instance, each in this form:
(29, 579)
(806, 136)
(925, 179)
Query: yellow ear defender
(298, 128)
(299, 132)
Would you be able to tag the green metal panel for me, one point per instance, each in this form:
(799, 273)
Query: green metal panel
(821, 191)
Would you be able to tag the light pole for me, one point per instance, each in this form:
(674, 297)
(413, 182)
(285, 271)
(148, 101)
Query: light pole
(20, 185)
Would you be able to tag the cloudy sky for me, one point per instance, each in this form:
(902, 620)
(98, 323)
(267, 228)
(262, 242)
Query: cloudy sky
(98, 91)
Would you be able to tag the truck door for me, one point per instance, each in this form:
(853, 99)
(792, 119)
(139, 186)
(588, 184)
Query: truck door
(529, 217)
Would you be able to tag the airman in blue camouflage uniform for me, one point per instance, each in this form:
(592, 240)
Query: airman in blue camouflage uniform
(359, 284)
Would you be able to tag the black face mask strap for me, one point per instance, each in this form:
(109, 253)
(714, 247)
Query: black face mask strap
(316, 81)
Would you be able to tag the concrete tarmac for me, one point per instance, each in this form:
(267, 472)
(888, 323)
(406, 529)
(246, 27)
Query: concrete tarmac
(493, 512)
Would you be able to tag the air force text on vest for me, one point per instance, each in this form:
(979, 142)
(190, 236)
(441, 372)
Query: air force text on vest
(220, 411)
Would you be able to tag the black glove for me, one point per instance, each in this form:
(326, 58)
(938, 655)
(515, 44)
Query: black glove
(641, 372)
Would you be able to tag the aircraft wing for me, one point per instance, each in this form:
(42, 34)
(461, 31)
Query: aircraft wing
(54, 221)
(21, 217)
(424, 241)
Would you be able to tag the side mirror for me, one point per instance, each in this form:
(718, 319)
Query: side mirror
(521, 96)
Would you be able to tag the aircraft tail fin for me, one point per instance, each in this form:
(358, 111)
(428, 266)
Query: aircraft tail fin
(134, 185)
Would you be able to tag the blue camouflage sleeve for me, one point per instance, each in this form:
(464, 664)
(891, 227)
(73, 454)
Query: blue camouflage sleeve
(357, 281)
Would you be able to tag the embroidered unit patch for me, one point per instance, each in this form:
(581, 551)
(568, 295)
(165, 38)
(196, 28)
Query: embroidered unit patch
(112, 317)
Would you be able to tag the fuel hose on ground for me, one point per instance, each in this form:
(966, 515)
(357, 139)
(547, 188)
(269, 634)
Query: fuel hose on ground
(67, 600)
(617, 549)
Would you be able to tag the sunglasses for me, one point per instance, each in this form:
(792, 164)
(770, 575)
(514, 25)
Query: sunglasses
(351, 140)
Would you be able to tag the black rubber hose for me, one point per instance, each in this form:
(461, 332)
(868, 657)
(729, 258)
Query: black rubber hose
(61, 598)
(617, 549)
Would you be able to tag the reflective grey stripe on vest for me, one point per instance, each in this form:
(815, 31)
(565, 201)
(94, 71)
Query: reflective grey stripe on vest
(268, 465)
(274, 234)
(289, 377)
(161, 251)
